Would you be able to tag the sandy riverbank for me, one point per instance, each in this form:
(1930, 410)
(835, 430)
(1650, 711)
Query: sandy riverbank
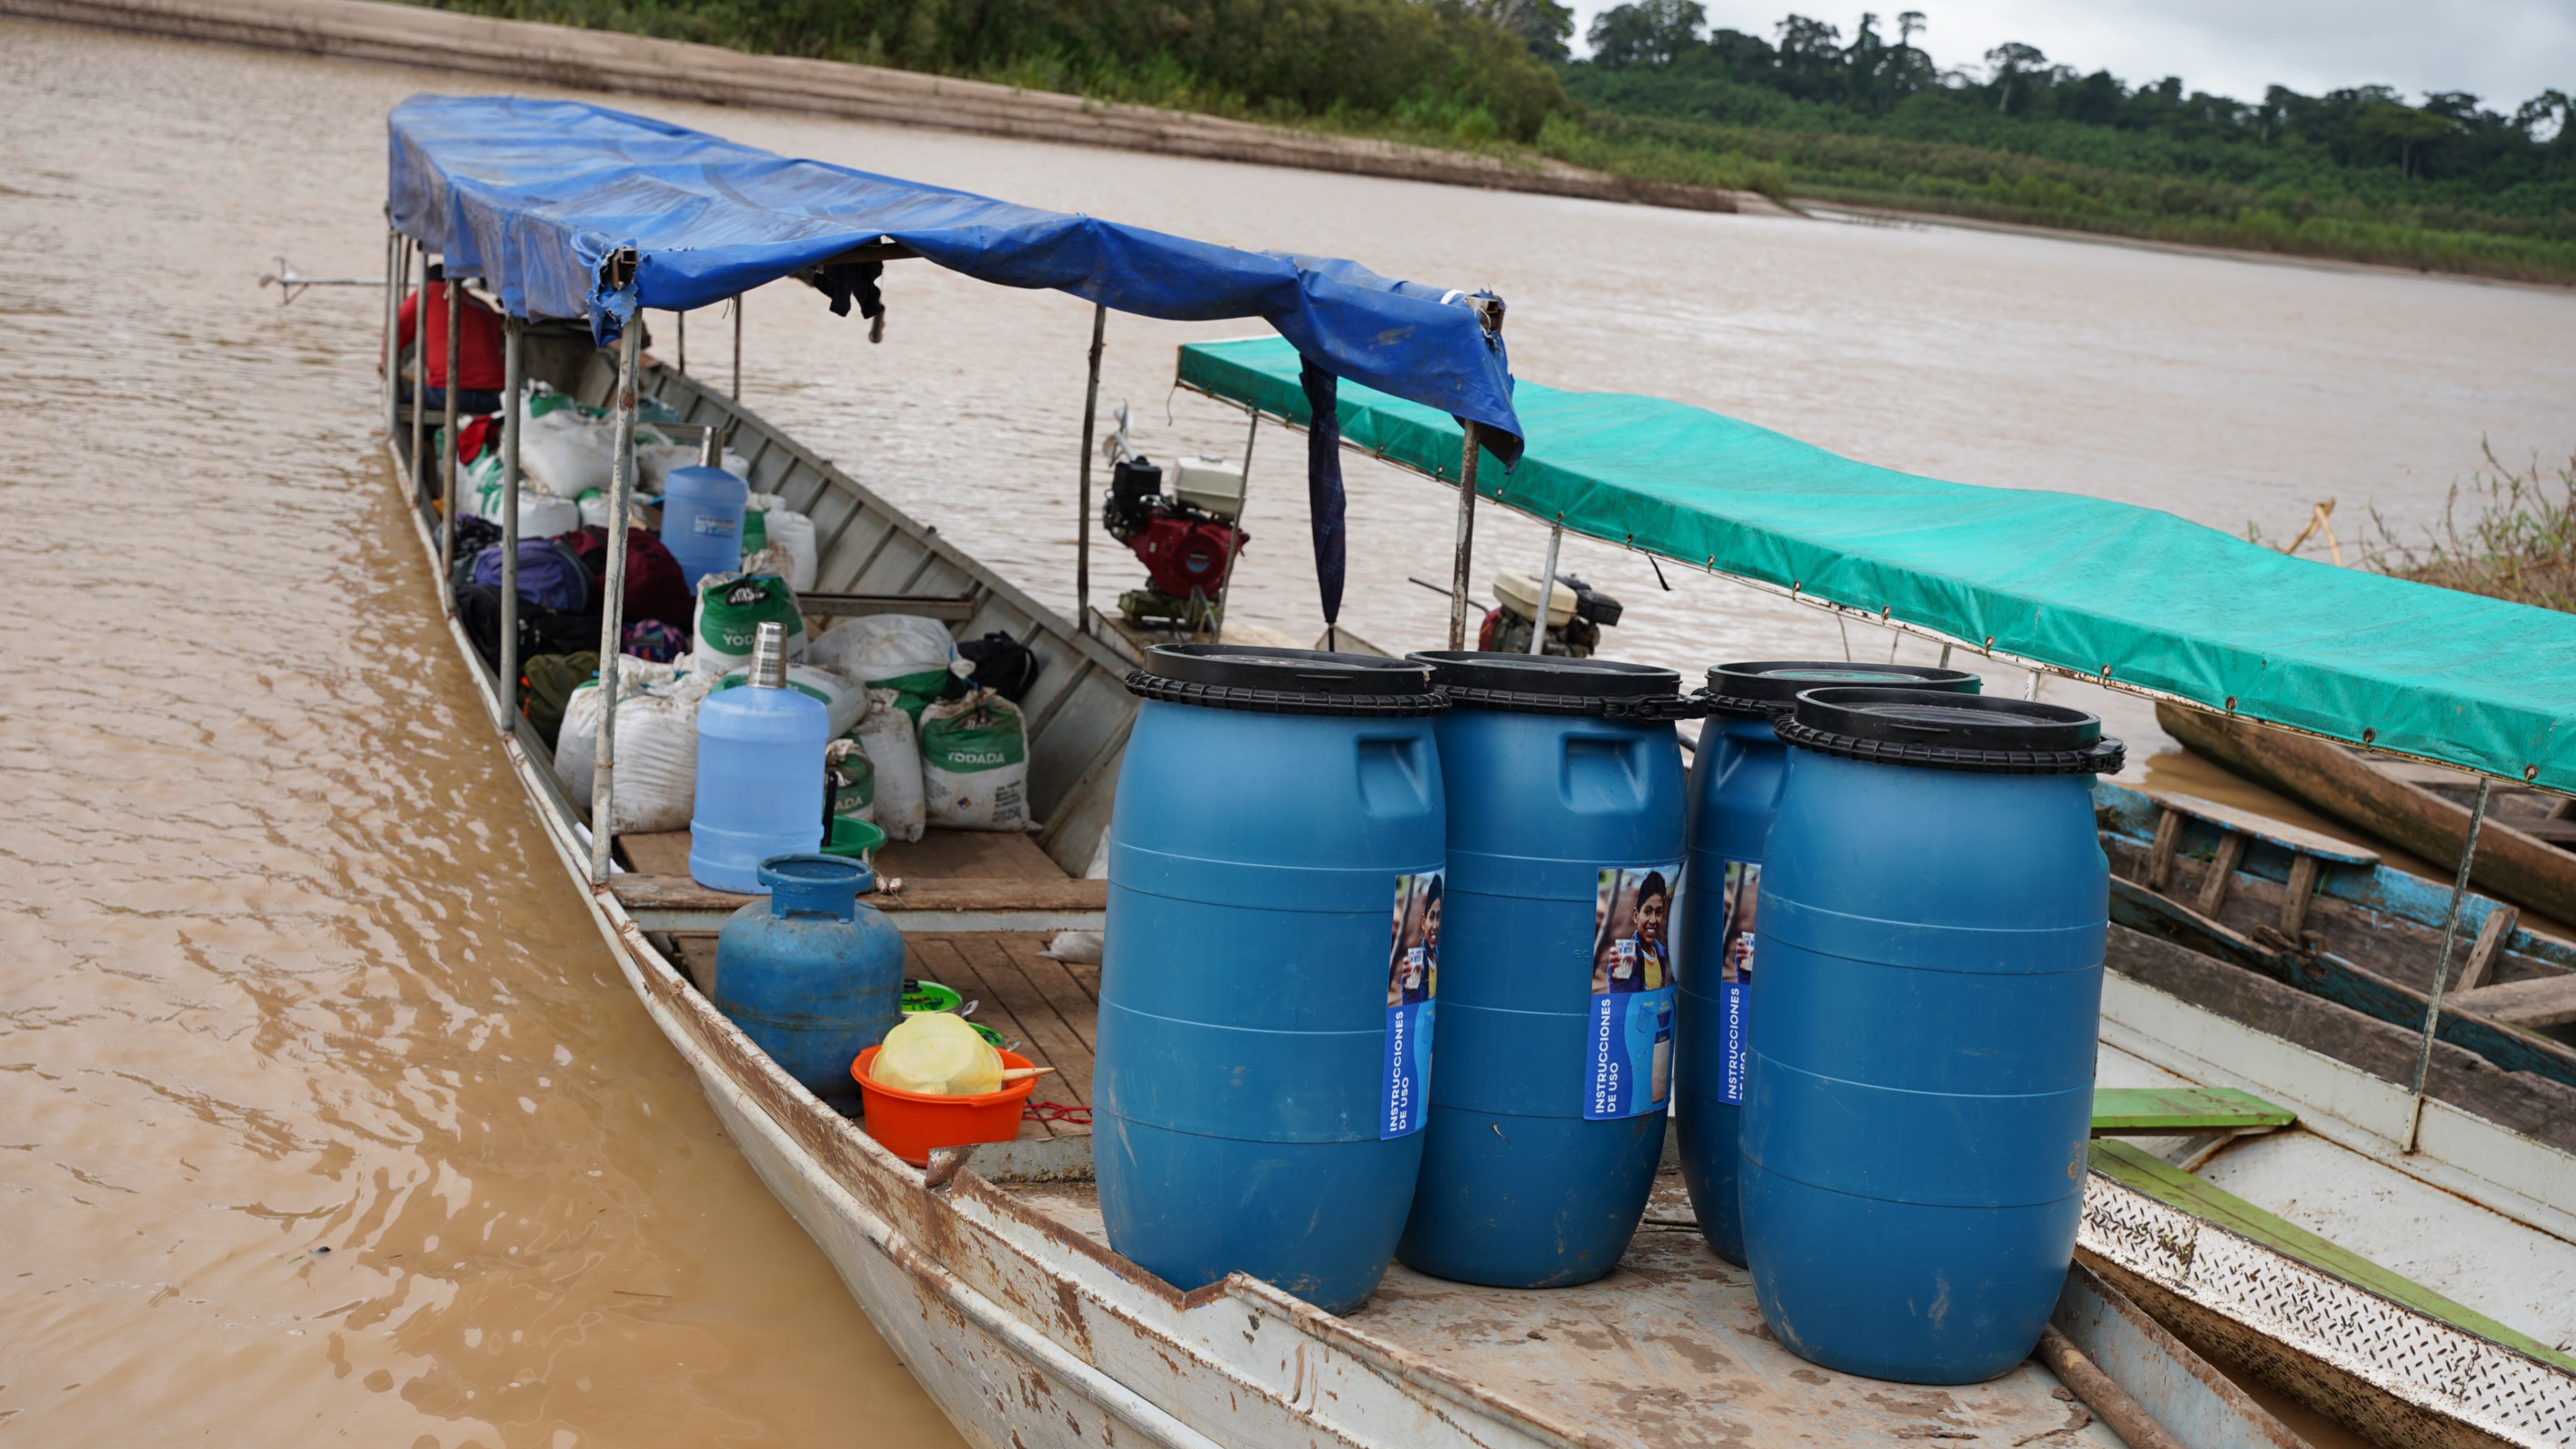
(640, 65)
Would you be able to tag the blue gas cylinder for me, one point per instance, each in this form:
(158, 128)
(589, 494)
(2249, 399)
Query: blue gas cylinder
(1734, 792)
(1271, 958)
(1933, 912)
(1564, 785)
(760, 773)
(702, 520)
(810, 975)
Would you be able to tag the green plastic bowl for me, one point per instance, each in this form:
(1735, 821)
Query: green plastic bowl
(853, 838)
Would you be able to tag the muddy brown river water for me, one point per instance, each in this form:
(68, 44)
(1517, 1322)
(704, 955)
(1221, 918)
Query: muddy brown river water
(323, 1114)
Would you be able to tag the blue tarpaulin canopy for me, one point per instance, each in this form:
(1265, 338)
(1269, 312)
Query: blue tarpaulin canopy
(535, 196)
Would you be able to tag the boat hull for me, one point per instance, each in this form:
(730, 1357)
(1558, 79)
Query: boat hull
(2327, 776)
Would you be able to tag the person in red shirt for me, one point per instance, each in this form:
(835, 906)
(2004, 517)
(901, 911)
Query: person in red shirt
(478, 347)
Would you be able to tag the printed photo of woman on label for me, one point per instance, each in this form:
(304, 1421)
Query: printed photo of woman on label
(1628, 1047)
(1743, 892)
(1742, 895)
(1412, 983)
(1412, 972)
(1632, 951)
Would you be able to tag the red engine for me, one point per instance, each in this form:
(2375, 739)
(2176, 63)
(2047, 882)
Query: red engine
(1184, 548)
(1184, 554)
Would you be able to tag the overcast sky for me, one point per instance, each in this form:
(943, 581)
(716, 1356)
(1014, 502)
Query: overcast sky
(2503, 50)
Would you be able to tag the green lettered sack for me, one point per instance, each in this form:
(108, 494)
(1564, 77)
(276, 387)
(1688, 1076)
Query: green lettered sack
(731, 609)
(850, 780)
(975, 763)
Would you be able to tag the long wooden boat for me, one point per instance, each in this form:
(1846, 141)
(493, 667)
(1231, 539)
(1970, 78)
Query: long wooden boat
(2526, 848)
(992, 1274)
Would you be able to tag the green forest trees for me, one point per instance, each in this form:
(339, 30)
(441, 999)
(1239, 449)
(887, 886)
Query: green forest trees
(1470, 69)
(1807, 77)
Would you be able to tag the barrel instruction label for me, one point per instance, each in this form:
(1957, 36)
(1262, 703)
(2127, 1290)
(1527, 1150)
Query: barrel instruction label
(1412, 980)
(1628, 1036)
(1735, 977)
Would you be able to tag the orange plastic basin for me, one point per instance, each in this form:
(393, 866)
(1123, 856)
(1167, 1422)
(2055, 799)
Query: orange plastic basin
(909, 1124)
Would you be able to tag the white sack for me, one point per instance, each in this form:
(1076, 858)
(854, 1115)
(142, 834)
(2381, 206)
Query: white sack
(792, 531)
(890, 651)
(657, 746)
(886, 735)
(843, 700)
(567, 454)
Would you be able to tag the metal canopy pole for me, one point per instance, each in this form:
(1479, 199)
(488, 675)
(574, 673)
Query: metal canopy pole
(395, 251)
(511, 380)
(612, 624)
(1489, 312)
(681, 327)
(447, 456)
(1466, 539)
(737, 352)
(2442, 972)
(1082, 505)
(1547, 586)
(419, 479)
(1234, 525)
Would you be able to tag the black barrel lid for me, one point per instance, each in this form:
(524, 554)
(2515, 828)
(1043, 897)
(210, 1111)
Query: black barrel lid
(1285, 681)
(1769, 687)
(1554, 684)
(1952, 732)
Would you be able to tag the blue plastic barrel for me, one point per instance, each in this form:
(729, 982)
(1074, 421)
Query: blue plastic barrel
(760, 774)
(1556, 992)
(1933, 912)
(1271, 956)
(702, 520)
(812, 976)
(1734, 792)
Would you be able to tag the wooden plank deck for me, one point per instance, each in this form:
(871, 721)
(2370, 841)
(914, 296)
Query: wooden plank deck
(1046, 1010)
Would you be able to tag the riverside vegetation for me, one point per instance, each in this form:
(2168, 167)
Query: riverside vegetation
(2357, 174)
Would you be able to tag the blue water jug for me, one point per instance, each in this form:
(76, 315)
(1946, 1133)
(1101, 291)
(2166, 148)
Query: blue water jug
(812, 976)
(1934, 906)
(1269, 968)
(760, 773)
(1734, 792)
(702, 520)
(1564, 785)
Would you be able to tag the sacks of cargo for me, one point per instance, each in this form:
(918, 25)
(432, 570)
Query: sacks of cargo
(731, 609)
(657, 746)
(849, 780)
(565, 453)
(769, 523)
(975, 763)
(901, 652)
(885, 734)
(843, 701)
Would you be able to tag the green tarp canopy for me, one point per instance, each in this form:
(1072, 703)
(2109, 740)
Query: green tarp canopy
(2131, 595)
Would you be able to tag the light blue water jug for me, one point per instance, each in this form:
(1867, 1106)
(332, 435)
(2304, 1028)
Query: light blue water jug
(760, 773)
(1934, 906)
(702, 521)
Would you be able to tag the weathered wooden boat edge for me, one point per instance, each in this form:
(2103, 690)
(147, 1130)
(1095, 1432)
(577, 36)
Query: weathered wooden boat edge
(2320, 774)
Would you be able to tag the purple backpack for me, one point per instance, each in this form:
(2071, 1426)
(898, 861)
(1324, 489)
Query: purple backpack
(550, 577)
